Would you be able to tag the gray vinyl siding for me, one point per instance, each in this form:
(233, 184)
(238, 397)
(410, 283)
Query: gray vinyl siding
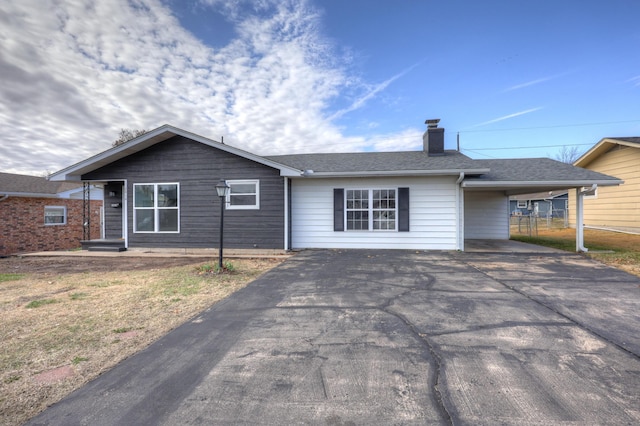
(198, 168)
(486, 215)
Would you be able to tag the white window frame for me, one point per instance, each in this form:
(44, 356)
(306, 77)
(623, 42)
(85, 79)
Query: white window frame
(370, 209)
(64, 215)
(521, 204)
(256, 206)
(156, 209)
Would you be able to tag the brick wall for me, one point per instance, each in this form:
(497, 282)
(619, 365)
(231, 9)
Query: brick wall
(22, 227)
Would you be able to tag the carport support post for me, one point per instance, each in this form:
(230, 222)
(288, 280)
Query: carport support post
(580, 221)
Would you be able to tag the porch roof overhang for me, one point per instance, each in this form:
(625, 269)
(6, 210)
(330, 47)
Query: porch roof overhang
(163, 133)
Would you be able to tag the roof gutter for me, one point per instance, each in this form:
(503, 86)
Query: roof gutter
(28, 194)
(559, 183)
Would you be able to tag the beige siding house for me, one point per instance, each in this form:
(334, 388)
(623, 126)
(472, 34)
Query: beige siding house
(612, 207)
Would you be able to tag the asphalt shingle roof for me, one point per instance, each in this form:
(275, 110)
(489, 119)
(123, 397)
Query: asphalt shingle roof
(534, 169)
(376, 161)
(25, 184)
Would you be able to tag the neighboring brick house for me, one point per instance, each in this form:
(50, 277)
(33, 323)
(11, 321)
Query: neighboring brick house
(38, 215)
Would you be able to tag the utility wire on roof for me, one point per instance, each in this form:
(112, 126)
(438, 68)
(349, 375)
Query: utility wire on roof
(528, 147)
(380, 139)
(549, 127)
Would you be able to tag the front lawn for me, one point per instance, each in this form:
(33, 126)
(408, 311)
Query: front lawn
(612, 248)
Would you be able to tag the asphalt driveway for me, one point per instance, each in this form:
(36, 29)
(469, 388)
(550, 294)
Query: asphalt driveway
(391, 337)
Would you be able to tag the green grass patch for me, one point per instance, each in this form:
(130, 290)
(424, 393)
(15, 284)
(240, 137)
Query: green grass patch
(37, 303)
(11, 277)
(12, 379)
(78, 296)
(559, 243)
(77, 360)
(122, 330)
(102, 284)
(215, 268)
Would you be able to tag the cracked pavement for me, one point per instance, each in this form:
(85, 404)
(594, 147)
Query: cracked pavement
(350, 337)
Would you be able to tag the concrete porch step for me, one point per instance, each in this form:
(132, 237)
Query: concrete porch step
(103, 245)
(106, 248)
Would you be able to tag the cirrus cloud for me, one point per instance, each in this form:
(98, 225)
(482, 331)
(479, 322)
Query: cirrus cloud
(76, 72)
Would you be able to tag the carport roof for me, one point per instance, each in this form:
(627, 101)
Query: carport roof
(523, 175)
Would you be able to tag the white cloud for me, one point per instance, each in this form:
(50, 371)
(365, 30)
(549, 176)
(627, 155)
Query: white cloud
(537, 81)
(75, 73)
(370, 94)
(508, 116)
(406, 140)
(634, 80)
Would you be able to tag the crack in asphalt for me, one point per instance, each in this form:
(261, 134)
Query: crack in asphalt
(423, 337)
(506, 324)
(422, 281)
(554, 310)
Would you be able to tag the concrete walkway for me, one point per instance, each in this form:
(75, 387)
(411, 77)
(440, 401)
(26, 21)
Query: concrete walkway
(337, 337)
(471, 246)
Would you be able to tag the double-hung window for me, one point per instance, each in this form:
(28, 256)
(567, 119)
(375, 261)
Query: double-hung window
(243, 195)
(156, 207)
(55, 215)
(370, 209)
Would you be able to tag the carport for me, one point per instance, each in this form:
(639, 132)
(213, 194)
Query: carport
(486, 197)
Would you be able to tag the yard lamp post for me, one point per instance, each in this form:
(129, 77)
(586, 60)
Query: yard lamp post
(222, 188)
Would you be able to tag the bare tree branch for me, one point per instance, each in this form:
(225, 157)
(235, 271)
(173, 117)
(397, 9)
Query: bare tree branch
(126, 135)
(568, 154)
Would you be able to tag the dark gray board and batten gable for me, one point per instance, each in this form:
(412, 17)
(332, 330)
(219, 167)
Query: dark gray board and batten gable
(197, 168)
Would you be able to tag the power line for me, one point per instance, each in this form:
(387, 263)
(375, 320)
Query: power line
(527, 147)
(550, 127)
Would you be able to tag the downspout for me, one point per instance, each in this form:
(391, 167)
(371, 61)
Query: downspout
(580, 218)
(4, 197)
(460, 209)
(286, 214)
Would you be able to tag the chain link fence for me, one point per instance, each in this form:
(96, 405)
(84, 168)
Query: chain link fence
(529, 224)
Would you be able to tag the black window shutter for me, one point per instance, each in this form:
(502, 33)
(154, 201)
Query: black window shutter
(403, 209)
(338, 209)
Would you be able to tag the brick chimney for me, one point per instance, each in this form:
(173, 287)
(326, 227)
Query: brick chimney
(433, 138)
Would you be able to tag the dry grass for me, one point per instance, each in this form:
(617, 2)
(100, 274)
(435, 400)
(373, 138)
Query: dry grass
(616, 249)
(61, 329)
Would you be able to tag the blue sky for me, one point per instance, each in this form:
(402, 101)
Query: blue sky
(512, 78)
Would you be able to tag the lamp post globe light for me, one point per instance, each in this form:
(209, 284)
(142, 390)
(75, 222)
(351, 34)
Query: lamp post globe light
(222, 189)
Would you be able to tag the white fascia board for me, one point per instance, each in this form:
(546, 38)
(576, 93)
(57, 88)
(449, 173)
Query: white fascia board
(559, 183)
(599, 148)
(592, 152)
(394, 173)
(162, 133)
(29, 194)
